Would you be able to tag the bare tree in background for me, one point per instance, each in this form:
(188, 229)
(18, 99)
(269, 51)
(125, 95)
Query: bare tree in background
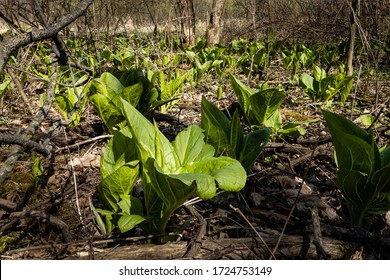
(354, 14)
(50, 31)
(214, 26)
(187, 13)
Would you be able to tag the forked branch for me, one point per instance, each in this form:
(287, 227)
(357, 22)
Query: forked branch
(13, 43)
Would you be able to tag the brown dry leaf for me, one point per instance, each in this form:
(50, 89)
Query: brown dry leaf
(88, 160)
(257, 198)
(286, 182)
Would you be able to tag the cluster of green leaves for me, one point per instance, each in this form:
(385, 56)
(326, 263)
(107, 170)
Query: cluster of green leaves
(140, 90)
(254, 56)
(71, 101)
(119, 169)
(249, 56)
(105, 95)
(227, 136)
(297, 57)
(205, 59)
(363, 169)
(70, 98)
(327, 56)
(322, 87)
(171, 173)
(260, 107)
(124, 53)
(169, 84)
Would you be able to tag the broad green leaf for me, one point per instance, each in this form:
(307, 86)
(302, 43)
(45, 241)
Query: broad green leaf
(293, 131)
(3, 86)
(319, 73)
(101, 225)
(379, 205)
(172, 191)
(348, 84)
(381, 180)
(113, 85)
(228, 172)
(109, 114)
(189, 145)
(160, 76)
(355, 148)
(216, 63)
(365, 200)
(354, 153)
(338, 122)
(366, 119)
(206, 66)
(130, 205)
(125, 203)
(352, 185)
(330, 86)
(205, 184)
(127, 222)
(120, 182)
(265, 103)
(236, 137)
(169, 89)
(364, 184)
(119, 151)
(275, 120)
(132, 94)
(385, 156)
(216, 126)
(106, 227)
(150, 141)
(306, 81)
(153, 203)
(37, 169)
(253, 145)
(243, 93)
(136, 206)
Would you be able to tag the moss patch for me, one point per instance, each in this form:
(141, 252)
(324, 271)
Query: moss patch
(6, 243)
(19, 182)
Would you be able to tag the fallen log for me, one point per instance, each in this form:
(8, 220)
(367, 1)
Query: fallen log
(291, 247)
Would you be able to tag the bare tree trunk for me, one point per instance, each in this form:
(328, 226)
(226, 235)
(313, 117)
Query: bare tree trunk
(187, 22)
(254, 15)
(214, 27)
(354, 13)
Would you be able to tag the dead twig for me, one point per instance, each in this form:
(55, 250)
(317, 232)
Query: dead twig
(9, 45)
(19, 88)
(8, 205)
(292, 208)
(78, 144)
(252, 227)
(317, 234)
(16, 151)
(196, 243)
(56, 222)
(25, 142)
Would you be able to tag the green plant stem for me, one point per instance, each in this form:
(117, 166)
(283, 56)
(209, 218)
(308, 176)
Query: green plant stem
(162, 226)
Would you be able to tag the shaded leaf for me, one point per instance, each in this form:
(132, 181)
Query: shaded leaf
(127, 222)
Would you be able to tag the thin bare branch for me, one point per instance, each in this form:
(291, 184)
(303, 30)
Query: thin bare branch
(11, 44)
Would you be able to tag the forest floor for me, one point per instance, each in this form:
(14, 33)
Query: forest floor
(289, 209)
